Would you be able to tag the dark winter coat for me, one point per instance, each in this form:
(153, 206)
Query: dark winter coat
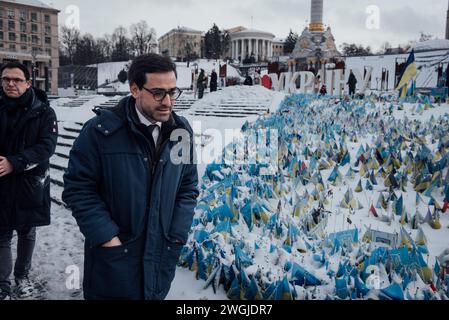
(352, 82)
(323, 90)
(28, 138)
(213, 82)
(248, 81)
(116, 187)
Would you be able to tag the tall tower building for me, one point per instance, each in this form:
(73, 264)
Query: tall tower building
(316, 16)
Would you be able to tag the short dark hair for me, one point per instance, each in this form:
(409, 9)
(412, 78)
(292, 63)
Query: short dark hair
(16, 65)
(149, 63)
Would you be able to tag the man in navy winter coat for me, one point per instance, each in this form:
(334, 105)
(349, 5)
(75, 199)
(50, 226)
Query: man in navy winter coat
(132, 187)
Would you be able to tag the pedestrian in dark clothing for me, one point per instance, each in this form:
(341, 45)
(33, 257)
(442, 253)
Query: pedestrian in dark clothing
(201, 84)
(213, 81)
(132, 187)
(352, 83)
(28, 135)
(323, 90)
(248, 81)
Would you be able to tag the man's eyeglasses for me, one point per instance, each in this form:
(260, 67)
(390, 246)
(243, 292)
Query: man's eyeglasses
(159, 94)
(6, 80)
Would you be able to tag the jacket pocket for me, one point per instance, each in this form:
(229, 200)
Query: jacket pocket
(117, 272)
(109, 269)
(32, 191)
(167, 269)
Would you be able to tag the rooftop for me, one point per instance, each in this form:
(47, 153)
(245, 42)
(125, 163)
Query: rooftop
(429, 45)
(31, 3)
(247, 31)
(180, 29)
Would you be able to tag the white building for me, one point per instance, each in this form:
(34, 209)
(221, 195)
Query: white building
(278, 47)
(251, 42)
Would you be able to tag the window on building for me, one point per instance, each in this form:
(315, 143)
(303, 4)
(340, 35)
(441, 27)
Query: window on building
(23, 15)
(23, 38)
(12, 36)
(47, 30)
(1, 45)
(48, 52)
(11, 14)
(12, 46)
(34, 39)
(47, 40)
(23, 27)
(34, 28)
(11, 25)
(2, 13)
(47, 18)
(1, 36)
(33, 16)
(1, 24)
(24, 48)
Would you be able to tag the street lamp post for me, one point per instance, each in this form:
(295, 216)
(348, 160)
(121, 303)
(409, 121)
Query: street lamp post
(33, 67)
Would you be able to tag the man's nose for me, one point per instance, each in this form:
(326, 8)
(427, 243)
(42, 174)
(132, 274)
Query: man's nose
(167, 101)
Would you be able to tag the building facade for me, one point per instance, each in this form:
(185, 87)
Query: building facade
(182, 43)
(247, 43)
(278, 47)
(29, 34)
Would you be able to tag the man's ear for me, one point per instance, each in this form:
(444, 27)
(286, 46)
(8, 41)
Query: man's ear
(29, 84)
(135, 91)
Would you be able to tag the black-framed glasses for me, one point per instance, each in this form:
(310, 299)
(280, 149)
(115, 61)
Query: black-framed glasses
(6, 80)
(159, 94)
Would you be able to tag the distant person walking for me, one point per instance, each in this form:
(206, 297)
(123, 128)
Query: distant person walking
(248, 81)
(213, 81)
(201, 84)
(352, 83)
(323, 90)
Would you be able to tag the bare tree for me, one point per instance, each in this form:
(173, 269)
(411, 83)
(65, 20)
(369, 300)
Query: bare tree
(70, 37)
(105, 47)
(141, 37)
(86, 51)
(121, 45)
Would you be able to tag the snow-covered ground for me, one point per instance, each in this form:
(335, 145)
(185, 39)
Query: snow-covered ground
(59, 251)
(260, 234)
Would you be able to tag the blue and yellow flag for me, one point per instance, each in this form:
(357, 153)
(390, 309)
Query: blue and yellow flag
(409, 73)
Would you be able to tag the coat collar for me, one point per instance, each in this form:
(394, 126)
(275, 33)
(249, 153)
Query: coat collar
(124, 114)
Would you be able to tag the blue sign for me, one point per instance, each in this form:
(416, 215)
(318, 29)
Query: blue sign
(439, 92)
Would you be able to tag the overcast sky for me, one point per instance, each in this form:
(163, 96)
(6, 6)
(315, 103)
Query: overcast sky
(399, 20)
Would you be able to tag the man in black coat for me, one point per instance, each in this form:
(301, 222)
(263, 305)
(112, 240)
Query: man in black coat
(28, 134)
(213, 81)
(352, 83)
